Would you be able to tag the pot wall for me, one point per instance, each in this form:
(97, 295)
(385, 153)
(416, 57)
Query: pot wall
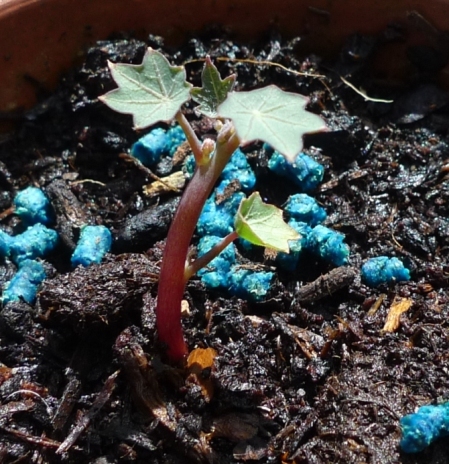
(42, 38)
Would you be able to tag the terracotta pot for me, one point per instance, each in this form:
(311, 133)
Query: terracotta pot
(39, 39)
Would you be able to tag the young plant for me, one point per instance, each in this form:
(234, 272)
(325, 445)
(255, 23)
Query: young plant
(155, 91)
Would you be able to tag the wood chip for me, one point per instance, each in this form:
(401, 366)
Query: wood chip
(376, 305)
(399, 306)
(326, 285)
(185, 308)
(181, 153)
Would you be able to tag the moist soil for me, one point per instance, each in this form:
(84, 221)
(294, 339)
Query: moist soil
(311, 375)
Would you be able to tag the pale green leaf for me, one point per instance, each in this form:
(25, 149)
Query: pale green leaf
(152, 91)
(214, 89)
(273, 116)
(262, 224)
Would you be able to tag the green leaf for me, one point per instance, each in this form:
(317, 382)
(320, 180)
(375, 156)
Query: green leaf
(262, 224)
(152, 91)
(214, 90)
(273, 116)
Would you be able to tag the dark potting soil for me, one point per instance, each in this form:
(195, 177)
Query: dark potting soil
(308, 376)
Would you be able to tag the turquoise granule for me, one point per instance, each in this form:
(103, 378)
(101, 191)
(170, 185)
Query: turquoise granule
(36, 242)
(32, 206)
(93, 244)
(384, 270)
(150, 148)
(25, 283)
(304, 208)
(328, 245)
(423, 427)
(216, 273)
(305, 172)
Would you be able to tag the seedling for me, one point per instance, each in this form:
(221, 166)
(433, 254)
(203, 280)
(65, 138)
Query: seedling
(155, 91)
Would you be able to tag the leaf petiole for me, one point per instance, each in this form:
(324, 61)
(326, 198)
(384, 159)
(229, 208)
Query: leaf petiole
(192, 268)
(193, 140)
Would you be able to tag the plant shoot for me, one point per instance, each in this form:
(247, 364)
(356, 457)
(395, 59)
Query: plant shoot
(155, 91)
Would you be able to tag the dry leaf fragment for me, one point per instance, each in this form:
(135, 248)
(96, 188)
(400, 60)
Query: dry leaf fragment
(398, 307)
(175, 181)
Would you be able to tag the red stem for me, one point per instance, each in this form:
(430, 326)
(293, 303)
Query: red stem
(172, 280)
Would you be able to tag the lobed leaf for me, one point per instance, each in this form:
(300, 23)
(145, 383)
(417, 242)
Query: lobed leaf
(214, 90)
(263, 225)
(152, 91)
(273, 116)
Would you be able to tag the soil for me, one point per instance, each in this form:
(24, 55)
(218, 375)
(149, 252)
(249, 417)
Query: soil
(309, 376)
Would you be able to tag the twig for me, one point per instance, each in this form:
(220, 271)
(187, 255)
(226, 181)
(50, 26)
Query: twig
(88, 181)
(263, 62)
(33, 393)
(363, 94)
(83, 423)
(147, 171)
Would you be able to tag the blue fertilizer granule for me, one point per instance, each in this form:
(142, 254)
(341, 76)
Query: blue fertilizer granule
(94, 243)
(305, 172)
(423, 427)
(328, 244)
(239, 169)
(218, 219)
(304, 208)
(249, 285)
(189, 166)
(150, 148)
(222, 274)
(289, 261)
(175, 137)
(32, 206)
(216, 274)
(5, 244)
(384, 270)
(25, 284)
(36, 242)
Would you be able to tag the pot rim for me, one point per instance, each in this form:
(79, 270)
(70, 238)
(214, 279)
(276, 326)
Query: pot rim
(40, 39)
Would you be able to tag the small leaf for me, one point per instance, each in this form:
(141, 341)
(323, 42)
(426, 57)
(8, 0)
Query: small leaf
(214, 90)
(273, 116)
(152, 91)
(262, 224)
